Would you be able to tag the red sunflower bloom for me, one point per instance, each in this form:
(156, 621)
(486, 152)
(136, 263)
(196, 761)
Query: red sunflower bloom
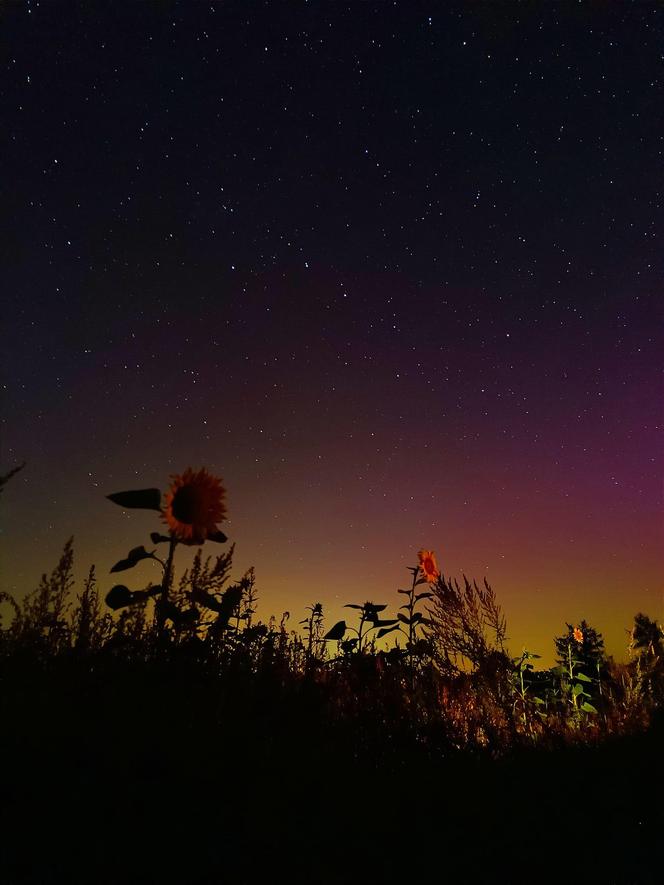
(194, 505)
(578, 635)
(428, 565)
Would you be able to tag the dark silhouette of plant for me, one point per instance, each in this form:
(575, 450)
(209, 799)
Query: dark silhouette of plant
(466, 626)
(201, 592)
(526, 703)
(91, 626)
(587, 645)
(647, 636)
(191, 509)
(40, 620)
(455, 687)
(414, 619)
(7, 476)
(249, 599)
(573, 686)
(644, 682)
(369, 621)
(313, 629)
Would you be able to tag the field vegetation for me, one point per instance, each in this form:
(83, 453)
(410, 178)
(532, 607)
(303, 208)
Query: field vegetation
(171, 734)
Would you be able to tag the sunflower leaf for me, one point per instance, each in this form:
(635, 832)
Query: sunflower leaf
(206, 599)
(138, 499)
(386, 630)
(217, 536)
(134, 556)
(229, 601)
(169, 610)
(156, 538)
(337, 632)
(119, 597)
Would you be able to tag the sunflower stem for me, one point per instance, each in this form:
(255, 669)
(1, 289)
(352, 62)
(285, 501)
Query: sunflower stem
(165, 587)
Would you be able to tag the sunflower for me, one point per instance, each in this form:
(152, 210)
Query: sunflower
(578, 635)
(428, 565)
(194, 505)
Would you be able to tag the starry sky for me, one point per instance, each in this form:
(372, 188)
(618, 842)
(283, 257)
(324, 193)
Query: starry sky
(392, 270)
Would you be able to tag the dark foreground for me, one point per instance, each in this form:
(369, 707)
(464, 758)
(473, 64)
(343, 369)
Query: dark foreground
(136, 776)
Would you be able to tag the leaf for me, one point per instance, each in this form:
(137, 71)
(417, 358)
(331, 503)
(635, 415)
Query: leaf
(577, 689)
(218, 536)
(118, 597)
(353, 605)
(385, 630)
(418, 616)
(140, 499)
(156, 538)
(370, 607)
(538, 700)
(405, 592)
(582, 677)
(403, 619)
(384, 623)
(169, 610)
(423, 596)
(139, 595)
(421, 581)
(134, 556)
(206, 599)
(337, 632)
(229, 601)
(588, 708)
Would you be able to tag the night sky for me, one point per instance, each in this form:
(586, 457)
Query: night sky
(392, 270)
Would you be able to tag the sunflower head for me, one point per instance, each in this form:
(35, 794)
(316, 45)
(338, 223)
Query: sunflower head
(194, 505)
(428, 565)
(578, 635)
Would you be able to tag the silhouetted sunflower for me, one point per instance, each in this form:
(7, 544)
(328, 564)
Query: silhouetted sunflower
(428, 565)
(194, 505)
